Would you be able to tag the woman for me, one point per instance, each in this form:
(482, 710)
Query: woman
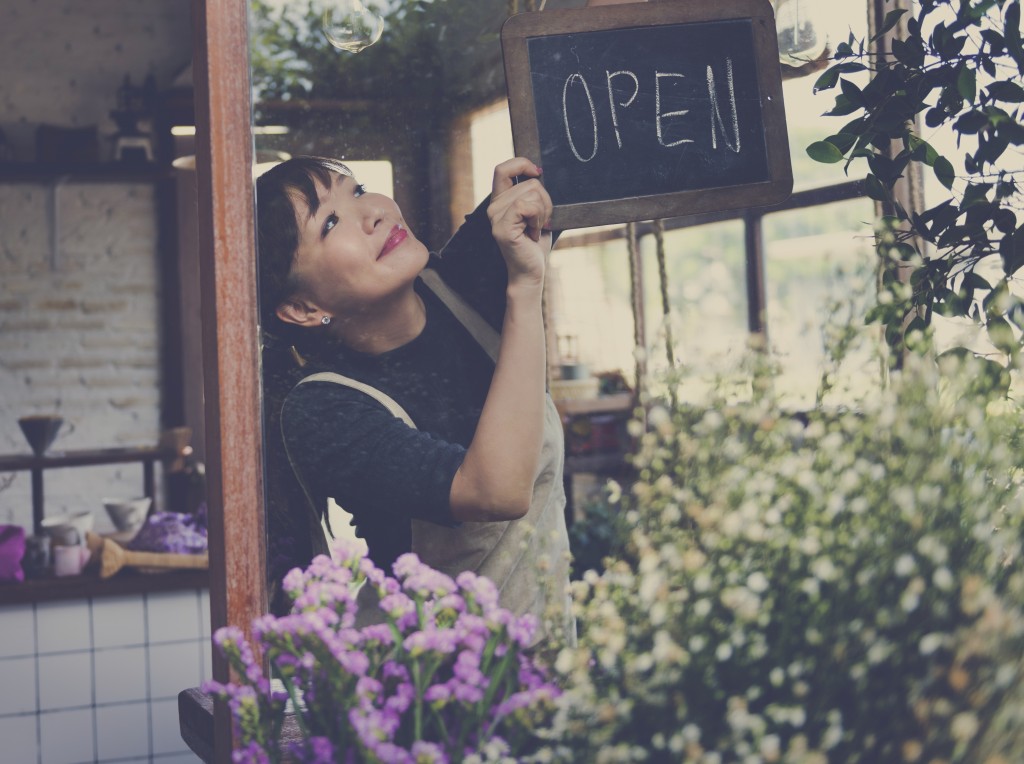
(415, 398)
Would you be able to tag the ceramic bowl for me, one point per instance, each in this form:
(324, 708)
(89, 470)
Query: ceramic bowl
(128, 514)
(68, 529)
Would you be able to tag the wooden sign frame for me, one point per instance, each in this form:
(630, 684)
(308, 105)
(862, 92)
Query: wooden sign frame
(520, 29)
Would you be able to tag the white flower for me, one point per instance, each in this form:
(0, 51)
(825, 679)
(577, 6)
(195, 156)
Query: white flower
(943, 578)
(905, 565)
(811, 587)
(824, 569)
(964, 726)
(776, 676)
(723, 652)
(931, 642)
(770, 748)
(757, 582)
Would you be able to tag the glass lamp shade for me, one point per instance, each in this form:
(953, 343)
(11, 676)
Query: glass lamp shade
(801, 38)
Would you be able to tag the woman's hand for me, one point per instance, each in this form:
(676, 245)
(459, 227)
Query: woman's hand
(520, 211)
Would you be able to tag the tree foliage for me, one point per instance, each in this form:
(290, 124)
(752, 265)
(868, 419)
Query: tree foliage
(954, 64)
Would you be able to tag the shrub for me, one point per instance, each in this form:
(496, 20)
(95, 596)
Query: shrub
(842, 590)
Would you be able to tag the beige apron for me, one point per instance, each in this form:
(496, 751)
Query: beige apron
(528, 559)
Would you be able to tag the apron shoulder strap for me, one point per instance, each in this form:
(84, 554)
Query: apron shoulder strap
(383, 398)
(481, 331)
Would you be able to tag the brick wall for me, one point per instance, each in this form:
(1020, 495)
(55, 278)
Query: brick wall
(79, 287)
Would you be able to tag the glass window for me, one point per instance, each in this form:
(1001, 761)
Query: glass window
(819, 279)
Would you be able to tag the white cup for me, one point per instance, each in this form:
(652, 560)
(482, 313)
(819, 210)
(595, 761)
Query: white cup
(69, 560)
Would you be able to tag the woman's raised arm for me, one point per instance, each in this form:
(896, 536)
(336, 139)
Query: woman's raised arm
(495, 481)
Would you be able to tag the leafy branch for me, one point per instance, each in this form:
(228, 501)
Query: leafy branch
(955, 64)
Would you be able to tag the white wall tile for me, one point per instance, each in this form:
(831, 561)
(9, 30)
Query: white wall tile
(204, 612)
(118, 621)
(66, 736)
(163, 715)
(120, 675)
(173, 668)
(63, 626)
(20, 738)
(19, 673)
(172, 616)
(17, 624)
(65, 680)
(122, 731)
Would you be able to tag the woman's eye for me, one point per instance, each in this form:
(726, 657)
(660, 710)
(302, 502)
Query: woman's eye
(329, 223)
(360, 189)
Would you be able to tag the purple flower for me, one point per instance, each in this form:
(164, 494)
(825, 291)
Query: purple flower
(479, 590)
(391, 753)
(250, 754)
(467, 669)
(427, 582)
(347, 550)
(378, 632)
(424, 752)
(406, 565)
(320, 750)
(433, 640)
(523, 628)
(435, 630)
(399, 607)
(437, 693)
(467, 693)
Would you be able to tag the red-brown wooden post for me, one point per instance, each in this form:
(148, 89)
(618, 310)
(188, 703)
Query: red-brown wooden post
(224, 157)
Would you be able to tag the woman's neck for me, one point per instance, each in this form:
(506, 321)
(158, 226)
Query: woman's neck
(384, 327)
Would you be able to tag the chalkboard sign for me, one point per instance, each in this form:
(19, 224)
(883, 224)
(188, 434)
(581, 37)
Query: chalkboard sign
(649, 110)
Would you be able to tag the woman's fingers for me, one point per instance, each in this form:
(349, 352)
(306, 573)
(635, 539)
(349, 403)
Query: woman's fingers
(525, 207)
(509, 172)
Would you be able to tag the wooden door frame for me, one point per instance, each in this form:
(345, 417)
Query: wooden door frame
(227, 251)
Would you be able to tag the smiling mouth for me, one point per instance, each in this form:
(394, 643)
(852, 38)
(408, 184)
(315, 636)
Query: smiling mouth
(397, 236)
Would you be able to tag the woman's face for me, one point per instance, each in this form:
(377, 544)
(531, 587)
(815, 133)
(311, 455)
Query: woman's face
(355, 252)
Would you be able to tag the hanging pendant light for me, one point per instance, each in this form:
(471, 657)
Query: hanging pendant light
(801, 39)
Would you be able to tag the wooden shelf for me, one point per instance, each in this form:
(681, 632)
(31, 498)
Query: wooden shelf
(90, 586)
(93, 172)
(604, 404)
(83, 458)
(147, 456)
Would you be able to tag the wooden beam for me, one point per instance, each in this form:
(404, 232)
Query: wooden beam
(224, 159)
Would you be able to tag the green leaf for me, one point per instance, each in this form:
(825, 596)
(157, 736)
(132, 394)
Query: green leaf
(843, 106)
(1011, 251)
(874, 189)
(843, 141)
(935, 117)
(892, 18)
(975, 193)
(824, 151)
(967, 84)
(971, 122)
(827, 79)
(1005, 90)
(1001, 335)
(853, 93)
(944, 172)
(922, 150)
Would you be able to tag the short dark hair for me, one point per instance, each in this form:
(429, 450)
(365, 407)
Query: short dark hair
(277, 231)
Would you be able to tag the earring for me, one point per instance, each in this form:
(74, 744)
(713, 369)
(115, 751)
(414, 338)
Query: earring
(325, 320)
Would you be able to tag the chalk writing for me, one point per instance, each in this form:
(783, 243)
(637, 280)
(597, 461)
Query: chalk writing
(590, 113)
(565, 115)
(716, 114)
(625, 104)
